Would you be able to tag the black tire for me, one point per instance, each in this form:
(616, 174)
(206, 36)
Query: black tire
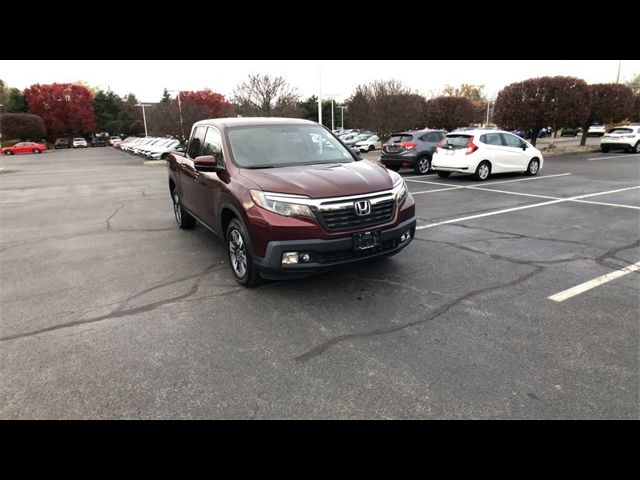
(394, 168)
(636, 149)
(36, 150)
(423, 165)
(371, 148)
(483, 171)
(533, 168)
(8, 152)
(183, 218)
(444, 174)
(604, 149)
(240, 257)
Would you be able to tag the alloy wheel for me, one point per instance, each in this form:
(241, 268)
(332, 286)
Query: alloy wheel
(237, 254)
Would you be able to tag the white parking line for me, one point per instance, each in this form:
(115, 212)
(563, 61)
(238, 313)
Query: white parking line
(436, 190)
(524, 207)
(531, 178)
(554, 198)
(583, 287)
(615, 156)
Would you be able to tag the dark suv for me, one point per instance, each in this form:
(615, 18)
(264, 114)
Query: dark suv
(61, 143)
(98, 142)
(287, 197)
(411, 149)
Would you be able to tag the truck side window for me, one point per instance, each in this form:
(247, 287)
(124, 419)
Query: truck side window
(213, 144)
(195, 144)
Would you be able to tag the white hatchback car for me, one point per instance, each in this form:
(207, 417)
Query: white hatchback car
(481, 153)
(370, 144)
(624, 137)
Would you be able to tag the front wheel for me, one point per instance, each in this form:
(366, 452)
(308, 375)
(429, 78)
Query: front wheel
(183, 218)
(371, 148)
(8, 152)
(534, 167)
(444, 174)
(604, 149)
(636, 149)
(36, 150)
(240, 255)
(483, 171)
(423, 165)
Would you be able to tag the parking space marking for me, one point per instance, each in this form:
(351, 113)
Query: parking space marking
(531, 178)
(524, 207)
(554, 198)
(436, 190)
(615, 156)
(583, 287)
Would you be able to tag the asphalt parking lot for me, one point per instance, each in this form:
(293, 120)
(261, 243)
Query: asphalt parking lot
(110, 311)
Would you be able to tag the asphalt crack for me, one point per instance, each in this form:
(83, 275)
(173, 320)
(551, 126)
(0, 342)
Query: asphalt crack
(320, 349)
(113, 215)
(121, 311)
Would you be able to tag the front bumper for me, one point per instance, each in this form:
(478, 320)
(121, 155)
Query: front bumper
(329, 253)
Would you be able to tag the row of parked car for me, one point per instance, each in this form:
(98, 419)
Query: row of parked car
(80, 142)
(361, 140)
(154, 148)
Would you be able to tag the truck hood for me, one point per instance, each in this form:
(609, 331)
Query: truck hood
(321, 181)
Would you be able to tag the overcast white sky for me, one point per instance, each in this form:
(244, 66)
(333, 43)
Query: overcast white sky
(147, 78)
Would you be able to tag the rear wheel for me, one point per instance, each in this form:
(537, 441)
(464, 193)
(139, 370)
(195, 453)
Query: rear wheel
(444, 174)
(423, 165)
(636, 149)
(240, 255)
(604, 149)
(483, 171)
(183, 218)
(8, 152)
(534, 167)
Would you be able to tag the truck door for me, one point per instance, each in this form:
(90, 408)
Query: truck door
(187, 172)
(208, 185)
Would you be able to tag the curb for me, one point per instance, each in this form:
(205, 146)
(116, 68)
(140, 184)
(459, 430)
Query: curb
(567, 151)
(154, 163)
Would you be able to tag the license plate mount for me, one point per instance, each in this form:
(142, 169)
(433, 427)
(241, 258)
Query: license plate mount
(366, 240)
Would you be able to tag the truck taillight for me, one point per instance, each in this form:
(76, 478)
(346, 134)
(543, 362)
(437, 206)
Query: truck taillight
(408, 145)
(471, 147)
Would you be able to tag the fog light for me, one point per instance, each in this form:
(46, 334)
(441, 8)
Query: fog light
(305, 257)
(289, 258)
(405, 236)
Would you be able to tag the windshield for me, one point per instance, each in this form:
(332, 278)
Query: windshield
(285, 145)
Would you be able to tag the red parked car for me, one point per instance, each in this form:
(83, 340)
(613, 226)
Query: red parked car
(24, 147)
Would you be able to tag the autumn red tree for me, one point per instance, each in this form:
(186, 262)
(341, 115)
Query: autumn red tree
(66, 108)
(449, 112)
(541, 102)
(214, 104)
(610, 102)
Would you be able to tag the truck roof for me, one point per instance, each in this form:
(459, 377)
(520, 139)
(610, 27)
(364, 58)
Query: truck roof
(250, 121)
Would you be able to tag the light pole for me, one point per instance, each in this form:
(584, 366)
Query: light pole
(144, 115)
(179, 110)
(332, 95)
(320, 94)
(341, 107)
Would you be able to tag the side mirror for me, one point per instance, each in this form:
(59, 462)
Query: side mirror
(356, 152)
(180, 149)
(207, 163)
(524, 146)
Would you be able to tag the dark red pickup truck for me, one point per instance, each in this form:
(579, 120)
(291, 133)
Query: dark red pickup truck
(287, 197)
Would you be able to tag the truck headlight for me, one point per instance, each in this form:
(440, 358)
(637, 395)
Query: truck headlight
(281, 204)
(400, 191)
